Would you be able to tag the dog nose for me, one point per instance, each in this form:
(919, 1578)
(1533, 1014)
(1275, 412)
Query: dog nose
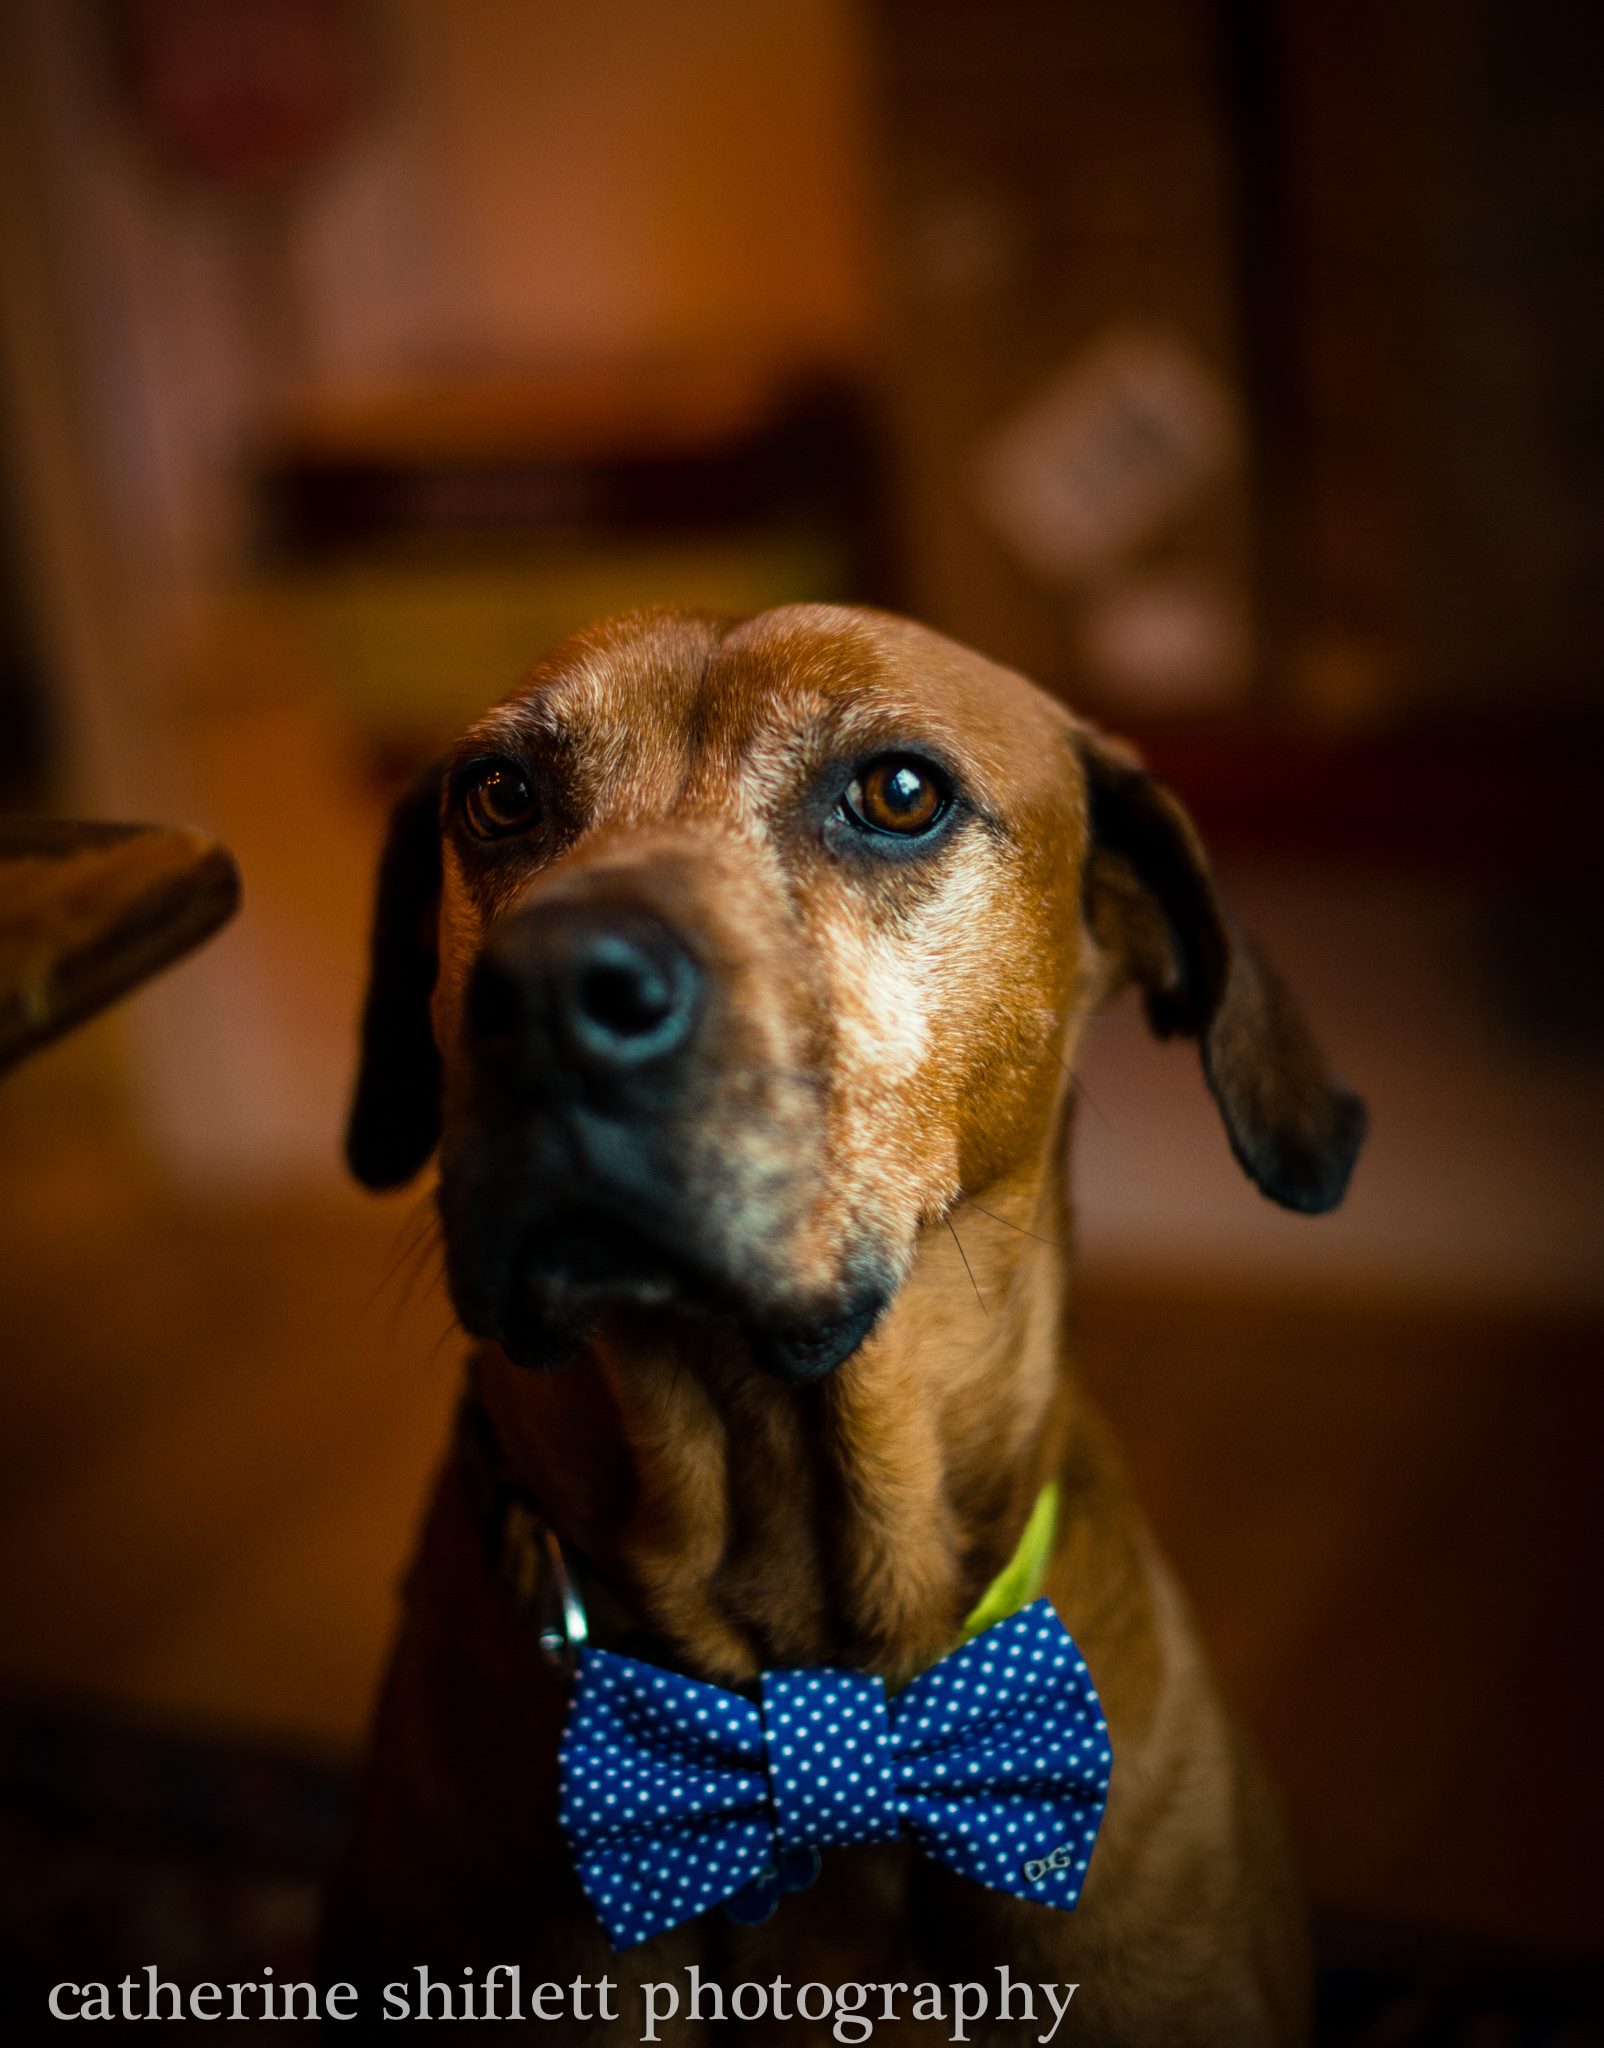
(613, 991)
(627, 996)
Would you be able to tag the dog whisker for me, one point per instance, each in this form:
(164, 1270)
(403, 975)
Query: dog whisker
(1085, 1095)
(1051, 1242)
(452, 1329)
(425, 1233)
(426, 1274)
(1081, 1090)
(974, 1283)
(416, 1220)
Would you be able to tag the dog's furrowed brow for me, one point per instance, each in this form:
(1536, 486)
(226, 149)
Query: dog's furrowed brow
(536, 732)
(821, 728)
(873, 720)
(527, 721)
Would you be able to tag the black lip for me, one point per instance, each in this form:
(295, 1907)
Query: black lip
(610, 1259)
(807, 1352)
(567, 1270)
(539, 1288)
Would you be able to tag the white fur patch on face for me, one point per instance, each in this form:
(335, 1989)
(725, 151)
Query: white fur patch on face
(891, 983)
(882, 1007)
(910, 999)
(949, 951)
(953, 932)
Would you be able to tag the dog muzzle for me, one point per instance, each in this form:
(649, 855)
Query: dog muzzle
(677, 1796)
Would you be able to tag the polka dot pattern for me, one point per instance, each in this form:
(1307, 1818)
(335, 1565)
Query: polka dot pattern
(663, 1797)
(829, 1751)
(677, 1796)
(1003, 1759)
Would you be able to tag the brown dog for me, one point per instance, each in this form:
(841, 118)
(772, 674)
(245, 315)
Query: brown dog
(724, 962)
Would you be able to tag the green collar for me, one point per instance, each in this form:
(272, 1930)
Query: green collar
(1020, 1579)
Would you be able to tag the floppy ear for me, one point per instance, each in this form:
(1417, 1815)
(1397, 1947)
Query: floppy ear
(395, 1116)
(1151, 905)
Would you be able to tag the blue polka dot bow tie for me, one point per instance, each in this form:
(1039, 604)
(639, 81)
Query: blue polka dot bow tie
(678, 1796)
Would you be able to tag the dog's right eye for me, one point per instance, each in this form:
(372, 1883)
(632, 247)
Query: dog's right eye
(497, 800)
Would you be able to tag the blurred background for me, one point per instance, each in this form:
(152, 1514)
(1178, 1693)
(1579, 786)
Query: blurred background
(1232, 367)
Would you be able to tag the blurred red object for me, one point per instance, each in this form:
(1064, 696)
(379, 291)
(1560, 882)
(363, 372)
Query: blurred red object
(243, 92)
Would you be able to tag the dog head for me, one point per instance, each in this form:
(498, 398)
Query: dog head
(720, 959)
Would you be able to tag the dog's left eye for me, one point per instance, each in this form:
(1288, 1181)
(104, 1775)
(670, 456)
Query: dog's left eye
(896, 794)
(497, 800)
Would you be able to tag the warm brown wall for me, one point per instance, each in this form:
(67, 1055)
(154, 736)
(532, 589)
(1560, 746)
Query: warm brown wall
(631, 175)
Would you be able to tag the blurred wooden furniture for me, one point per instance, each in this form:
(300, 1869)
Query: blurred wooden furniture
(89, 911)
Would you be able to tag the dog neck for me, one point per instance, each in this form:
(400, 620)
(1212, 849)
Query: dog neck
(745, 1524)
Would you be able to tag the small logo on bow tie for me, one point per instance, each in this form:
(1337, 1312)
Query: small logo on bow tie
(1061, 1858)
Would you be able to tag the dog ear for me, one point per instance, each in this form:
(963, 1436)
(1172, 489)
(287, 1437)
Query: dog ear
(1150, 903)
(395, 1114)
